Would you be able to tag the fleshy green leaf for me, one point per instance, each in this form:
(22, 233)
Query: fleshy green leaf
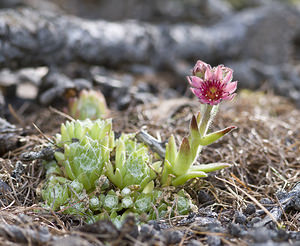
(212, 137)
(149, 187)
(171, 150)
(183, 159)
(209, 167)
(180, 180)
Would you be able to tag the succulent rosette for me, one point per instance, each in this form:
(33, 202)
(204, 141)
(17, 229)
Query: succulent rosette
(56, 192)
(132, 164)
(89, 105)
(87, 146)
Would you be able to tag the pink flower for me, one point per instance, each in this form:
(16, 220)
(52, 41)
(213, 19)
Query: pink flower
(212, 85)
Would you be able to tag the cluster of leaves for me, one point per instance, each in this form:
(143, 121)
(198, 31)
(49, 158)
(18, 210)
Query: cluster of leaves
(98, 177)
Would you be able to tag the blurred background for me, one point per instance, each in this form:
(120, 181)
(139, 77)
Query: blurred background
(138, 50)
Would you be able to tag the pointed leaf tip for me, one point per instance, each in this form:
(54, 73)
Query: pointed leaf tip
(194, 125)
(185, 146)
(228, 129)
(212, 137)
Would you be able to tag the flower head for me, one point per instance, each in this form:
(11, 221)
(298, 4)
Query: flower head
(212, 85)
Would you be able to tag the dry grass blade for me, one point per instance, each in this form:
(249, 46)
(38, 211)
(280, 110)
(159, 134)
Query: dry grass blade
(54, 110)
(253, 199)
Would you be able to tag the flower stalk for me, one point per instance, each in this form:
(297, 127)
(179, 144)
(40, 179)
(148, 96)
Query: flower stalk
(211, 86)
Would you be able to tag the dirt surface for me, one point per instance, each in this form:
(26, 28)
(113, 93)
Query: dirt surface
(255, 202)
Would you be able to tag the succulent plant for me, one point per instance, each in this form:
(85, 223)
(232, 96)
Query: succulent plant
(87, 146)
(91, 162)
(179, 165)
(96, 176)
(211, 86)
(89, 105)
(56, 192)
(132, 164)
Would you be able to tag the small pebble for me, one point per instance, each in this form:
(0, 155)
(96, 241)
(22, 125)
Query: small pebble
(4, 187)
(255, 220)
(146, 232)
(173, 237)
(266, 201)
(250, 209)
(240, 218)
(281, 194)
(213, 241)
(204, 197)
(295, 235)
(156, 226)
(234, 230)
(124, 102)
(194, 242)
(143, 87)
(281, 236)
(260, 235)
(216, 227)
(296, 203)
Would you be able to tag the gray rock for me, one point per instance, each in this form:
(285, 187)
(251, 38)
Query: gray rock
(240, 218)
(55, 84)
(71, 241)
(250, 209)
(261, 235)
(194, 242)
(213, 240)
(148, 10)
(172, 236)
(10, 3)
(9, 136)
(45, 38)
(282, 78)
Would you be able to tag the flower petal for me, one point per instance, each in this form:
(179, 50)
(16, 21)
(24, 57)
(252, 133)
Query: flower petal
(196, 92)
(208, 74)
(215, 102)
(231, 87)
(195, 81)
(228, 76)
(228, 97)
(218, 73)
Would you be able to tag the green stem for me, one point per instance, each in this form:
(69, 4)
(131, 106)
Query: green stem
(207, 118)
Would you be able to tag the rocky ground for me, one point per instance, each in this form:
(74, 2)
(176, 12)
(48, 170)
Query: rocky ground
(47, 55)
(255, 202)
